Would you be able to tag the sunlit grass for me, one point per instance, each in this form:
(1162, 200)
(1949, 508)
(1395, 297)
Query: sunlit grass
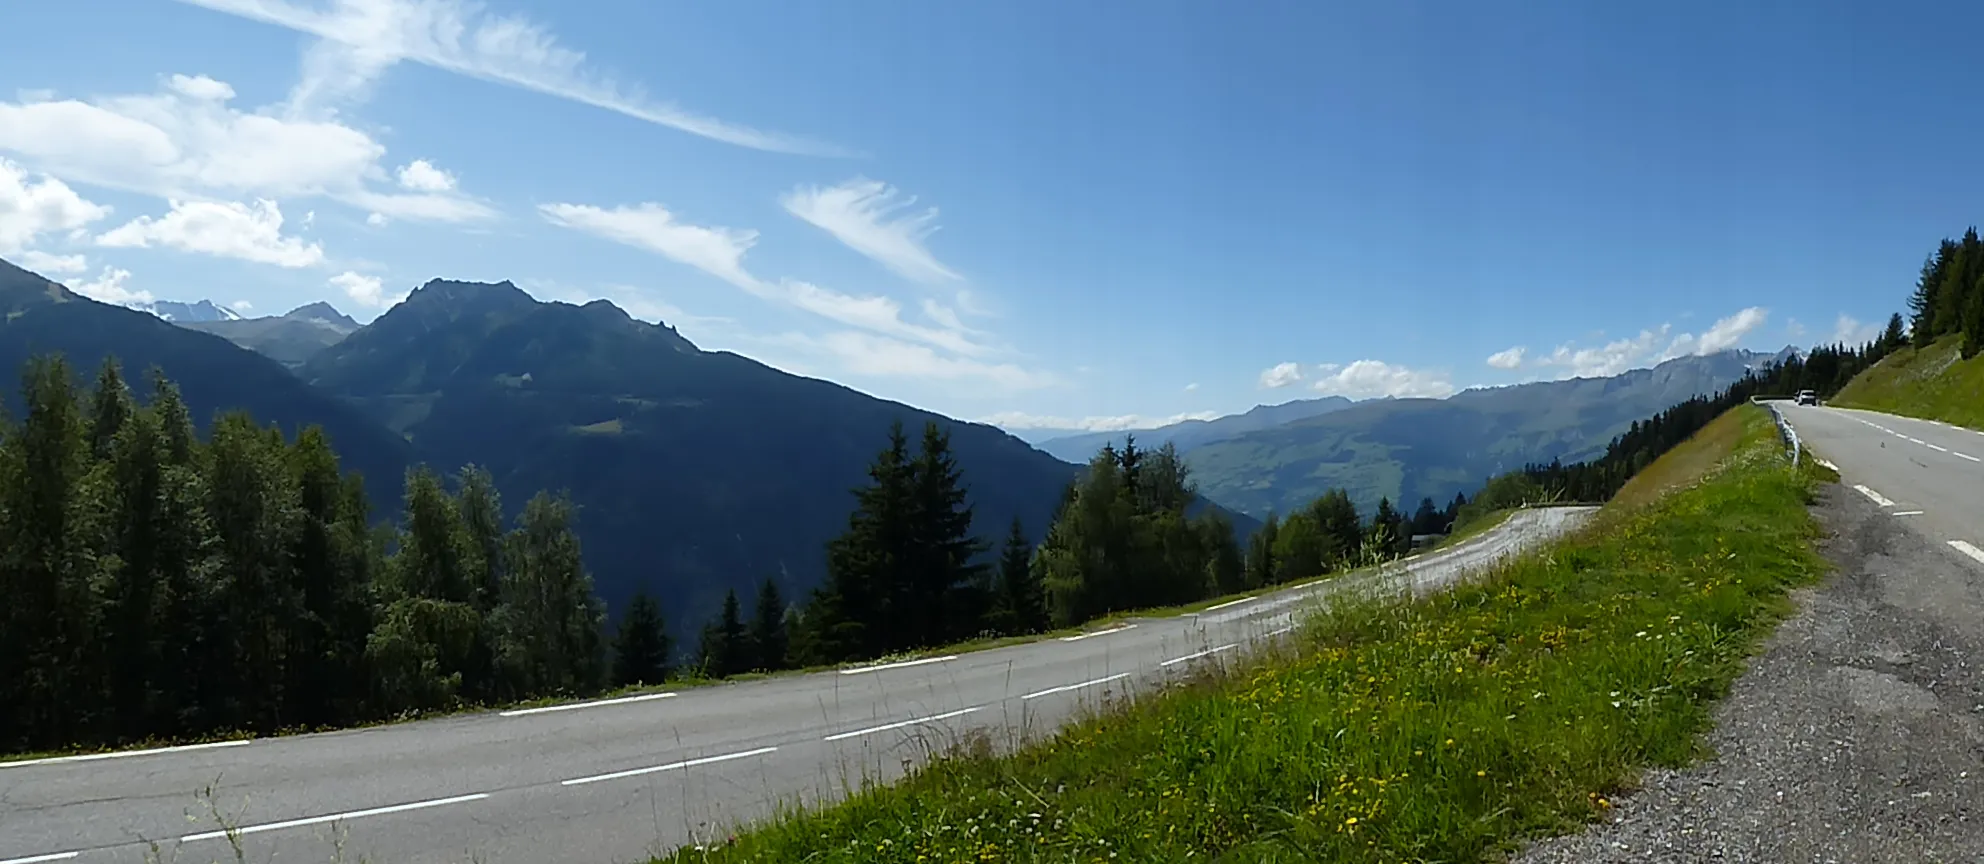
(1934, 383)
(1442, 730)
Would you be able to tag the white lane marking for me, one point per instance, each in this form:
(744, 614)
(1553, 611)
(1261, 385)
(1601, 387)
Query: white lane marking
(898, 725)
(1906, 513)
(1198, 655)
(1968, 549)
(1969, 457)
(92, 757)
(646, 697)
(1937, 447)
(1063, 689)
(1828, 464)
(1412, 557)
(1873, 496)
(903, 665)
(1913, 440)
(686, 763)
(1281, 631)
(37, 859)
(336, 817)
(1080, 636)
(1229, 603)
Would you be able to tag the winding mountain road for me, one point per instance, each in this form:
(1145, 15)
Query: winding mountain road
(1927, 473)
(617, 780)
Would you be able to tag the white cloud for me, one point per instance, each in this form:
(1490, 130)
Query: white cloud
(865, 215)
(1645, 349)
(1794, 328)
(420, 175)
(1281, 375)
(108, 287)
(1729, 332)
(31, 208)
(1851, 332)
(186, 142)
(1509, 358)
(365, 290)
(375, 219)
(881, 356)
(1367, 379)
(364, 38)
(1192, 387)
(1023, 420)
(719, 251)
(241, 306)
(224, 229)
(46, 264)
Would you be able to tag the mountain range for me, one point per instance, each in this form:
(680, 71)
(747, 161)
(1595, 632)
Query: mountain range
(1191, 434)
(1408, 449)
(289, 339)
(695, 472)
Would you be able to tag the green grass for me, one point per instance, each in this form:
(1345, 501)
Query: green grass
(1443, 730)
(1934, 383)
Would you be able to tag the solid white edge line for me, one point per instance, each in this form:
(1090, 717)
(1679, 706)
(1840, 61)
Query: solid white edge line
(1197, 655)
(686, 763)
(1080, 636)
(37, 859)
(1968, 549)
(1063, 689)
(1873, 495)
(318, 820)
(903, 665)
(93, 757)
(1907, 513)
(901, 723)
(1228, 603)
(624, 700)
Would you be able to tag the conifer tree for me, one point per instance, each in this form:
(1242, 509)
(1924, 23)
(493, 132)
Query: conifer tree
(1020, 606)
(640, 651)
(942, 592)
(726, 648)
(851, 614)
(769, 638)
(1261, 564)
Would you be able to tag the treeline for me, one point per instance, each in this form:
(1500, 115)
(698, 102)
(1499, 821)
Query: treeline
(1825, 370)
(1329, 535)
(1949, 295)
(158, 585)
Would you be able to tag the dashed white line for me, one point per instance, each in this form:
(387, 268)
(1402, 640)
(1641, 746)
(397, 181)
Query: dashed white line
(898, 725)
(336, 817)
(1873, 496)
(92, 757)
(1198, 654)
(1968, 549)
(1969, 457)
(1080, 636)
(572, 706)
(1906, 513)
(37, 859)
(1228, 603)
(1281, 631)
(1053, 690)
(686, 763)
(903, 665)
(1937, 447)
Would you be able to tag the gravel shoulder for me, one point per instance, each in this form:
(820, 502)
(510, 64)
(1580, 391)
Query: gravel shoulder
(1856, 735)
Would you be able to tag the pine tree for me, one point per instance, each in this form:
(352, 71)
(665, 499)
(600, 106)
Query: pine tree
(1261, 563)
(327, 675)
(726, 648)
(1299, 549)
(1342, 529)
(1226, 565)
(640, 652)
(943, 593)
(253, 501)
(110, 407)
(769, 639)
(1020, 607)
(1427, 518)
(851, 615)
(1895, 336)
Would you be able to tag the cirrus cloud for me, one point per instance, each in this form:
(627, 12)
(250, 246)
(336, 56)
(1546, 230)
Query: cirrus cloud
(866, 216)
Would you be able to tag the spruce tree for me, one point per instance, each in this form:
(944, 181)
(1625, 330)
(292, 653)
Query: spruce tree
(640, 651)
(110, 407)
(1020, 606)
(852, 613)
(942, 594)
(768, 637)
(726, 648)
(1261, 563)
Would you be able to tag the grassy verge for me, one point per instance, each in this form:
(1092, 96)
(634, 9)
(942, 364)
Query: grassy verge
(1934, 383)
(1442, 730)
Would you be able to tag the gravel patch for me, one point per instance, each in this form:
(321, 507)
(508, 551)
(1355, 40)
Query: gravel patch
(1857, 735)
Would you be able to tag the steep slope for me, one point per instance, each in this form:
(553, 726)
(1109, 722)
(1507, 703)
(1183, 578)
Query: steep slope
(1190, 434)
(289, 339)
(1933, 383)
(696, 472)
(188, 313)
(213, 374)
(1407, 449)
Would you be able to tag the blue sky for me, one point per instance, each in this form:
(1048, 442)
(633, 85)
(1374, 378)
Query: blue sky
(1049, 214)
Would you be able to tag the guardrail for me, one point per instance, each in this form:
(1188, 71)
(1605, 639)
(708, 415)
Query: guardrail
(1784, 429)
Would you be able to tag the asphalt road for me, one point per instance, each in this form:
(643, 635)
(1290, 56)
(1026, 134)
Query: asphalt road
(618, 781)
(1928, 473)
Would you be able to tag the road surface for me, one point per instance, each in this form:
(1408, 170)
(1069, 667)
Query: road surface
(616, 781)
(1927, 473)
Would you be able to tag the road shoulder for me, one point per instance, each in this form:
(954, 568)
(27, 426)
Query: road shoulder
(1854, 735)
